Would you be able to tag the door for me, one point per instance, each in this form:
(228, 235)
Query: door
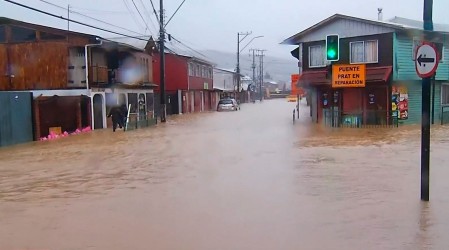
(98, 111)
(16, 124)
(184, 102)
(376, 105)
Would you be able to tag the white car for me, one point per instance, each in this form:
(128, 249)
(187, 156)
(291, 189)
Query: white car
(228, 104)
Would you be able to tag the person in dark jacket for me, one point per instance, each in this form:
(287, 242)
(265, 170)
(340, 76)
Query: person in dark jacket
(117, 117)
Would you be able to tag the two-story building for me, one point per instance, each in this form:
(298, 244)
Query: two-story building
(385, 53)
(225, 82)
(73, 77)
(188, 83)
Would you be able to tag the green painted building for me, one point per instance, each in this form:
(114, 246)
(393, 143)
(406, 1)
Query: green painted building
(393, 91)
(405, 77)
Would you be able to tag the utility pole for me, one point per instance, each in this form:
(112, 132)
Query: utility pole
(162, 61)
(68, 17)
(245, 34)
(260, 54)
(261, 96)
(254, 68)
(425, 121)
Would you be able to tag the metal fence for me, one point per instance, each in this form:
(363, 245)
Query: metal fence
(141, 121)
(366, 119)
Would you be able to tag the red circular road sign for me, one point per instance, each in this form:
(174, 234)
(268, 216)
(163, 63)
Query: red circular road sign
(426, 60)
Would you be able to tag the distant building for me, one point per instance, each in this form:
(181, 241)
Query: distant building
(188, 83)
(225, 82)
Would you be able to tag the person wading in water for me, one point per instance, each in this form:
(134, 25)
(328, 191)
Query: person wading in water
(118, 115)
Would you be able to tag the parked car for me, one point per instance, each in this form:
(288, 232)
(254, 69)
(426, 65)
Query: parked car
(228, 104)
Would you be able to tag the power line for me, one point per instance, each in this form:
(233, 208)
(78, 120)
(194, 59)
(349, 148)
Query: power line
(98, 20)
(149, 14)
(140, 14)
(71, 20)
(136, 20)
(190, 48)
(175, 13)
(97, 10)
(155, 12)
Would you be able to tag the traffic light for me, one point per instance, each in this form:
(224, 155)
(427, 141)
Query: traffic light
(332, 47)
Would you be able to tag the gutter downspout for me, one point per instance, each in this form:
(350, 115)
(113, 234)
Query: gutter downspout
(89, 92)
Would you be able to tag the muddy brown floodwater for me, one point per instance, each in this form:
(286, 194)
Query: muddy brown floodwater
(239, 180)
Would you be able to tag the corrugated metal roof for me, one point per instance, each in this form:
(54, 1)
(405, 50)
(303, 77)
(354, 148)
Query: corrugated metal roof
(419, 24)
(397, 24)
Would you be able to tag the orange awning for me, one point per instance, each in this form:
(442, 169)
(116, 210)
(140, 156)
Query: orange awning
(378, 74)
(313, 78)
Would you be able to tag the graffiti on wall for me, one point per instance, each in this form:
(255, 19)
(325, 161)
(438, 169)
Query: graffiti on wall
(399, 99)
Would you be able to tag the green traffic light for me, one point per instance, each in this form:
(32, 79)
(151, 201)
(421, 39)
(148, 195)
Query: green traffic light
(331, 54)
(332, 47)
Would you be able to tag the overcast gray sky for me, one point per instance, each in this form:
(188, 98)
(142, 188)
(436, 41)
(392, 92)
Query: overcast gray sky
(213, 24)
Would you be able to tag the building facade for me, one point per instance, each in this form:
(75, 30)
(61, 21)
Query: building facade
(188, 83)
(70, 74)
(385, 51)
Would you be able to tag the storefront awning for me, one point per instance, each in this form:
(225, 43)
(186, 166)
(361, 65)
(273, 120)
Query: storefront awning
(378, 74)
(313, 78)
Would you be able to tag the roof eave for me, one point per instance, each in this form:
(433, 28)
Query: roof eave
(293, 40)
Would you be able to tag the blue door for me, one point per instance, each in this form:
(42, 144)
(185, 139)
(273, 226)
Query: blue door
(16, 125)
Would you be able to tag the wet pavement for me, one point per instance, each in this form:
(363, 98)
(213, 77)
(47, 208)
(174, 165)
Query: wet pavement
(239, 180)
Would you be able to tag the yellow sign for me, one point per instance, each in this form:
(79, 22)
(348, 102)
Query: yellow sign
(348, 75)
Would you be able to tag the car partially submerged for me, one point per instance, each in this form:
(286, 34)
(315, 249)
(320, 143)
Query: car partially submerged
(228, 104)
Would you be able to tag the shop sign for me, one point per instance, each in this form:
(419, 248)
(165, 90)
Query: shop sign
(348, 76)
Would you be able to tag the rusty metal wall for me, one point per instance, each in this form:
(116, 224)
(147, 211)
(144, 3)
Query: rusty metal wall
(38, 65)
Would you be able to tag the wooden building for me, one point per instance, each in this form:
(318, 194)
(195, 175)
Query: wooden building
(385, 50)
(81, 75)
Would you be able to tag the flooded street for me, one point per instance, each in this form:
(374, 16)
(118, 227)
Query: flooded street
(238, 180)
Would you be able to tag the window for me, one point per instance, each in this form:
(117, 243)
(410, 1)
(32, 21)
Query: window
(197, 70)
(364, 51)
(442, 54)
(191, 70)
(445, 94)
(20, 34)
(2, 34)
(316, 56)
(150, 102)
(203, 72)
(145, 69)
(50, 36)
(132, 99)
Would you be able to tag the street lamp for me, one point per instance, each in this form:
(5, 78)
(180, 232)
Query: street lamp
(250, 42)
(246, 34)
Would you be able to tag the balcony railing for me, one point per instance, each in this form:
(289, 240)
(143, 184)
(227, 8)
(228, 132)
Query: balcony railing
(98, 75)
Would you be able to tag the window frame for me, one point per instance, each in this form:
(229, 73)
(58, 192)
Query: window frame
(364, 51)
(445, 85)
(14, 40)
(191, 69)
(324, 58)
(4, 33)
(197, 70)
